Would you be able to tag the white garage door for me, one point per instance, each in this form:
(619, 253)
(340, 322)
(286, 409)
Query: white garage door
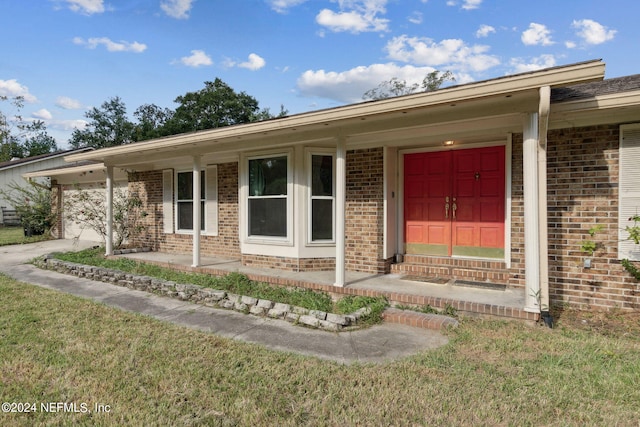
(74, 229)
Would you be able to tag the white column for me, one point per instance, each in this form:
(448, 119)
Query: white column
(341, 204)
(109, 195)
(531, 213)
(543, 227)
(196, 211)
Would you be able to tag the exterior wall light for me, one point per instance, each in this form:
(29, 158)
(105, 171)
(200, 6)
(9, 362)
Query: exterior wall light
(448, 143)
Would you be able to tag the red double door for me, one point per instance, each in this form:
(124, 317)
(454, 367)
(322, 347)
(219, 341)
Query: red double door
(454, 202)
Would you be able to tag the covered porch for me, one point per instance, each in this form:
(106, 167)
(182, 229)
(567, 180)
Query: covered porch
(399, 289)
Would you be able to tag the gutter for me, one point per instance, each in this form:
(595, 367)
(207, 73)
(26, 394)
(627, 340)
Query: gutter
(557, 76)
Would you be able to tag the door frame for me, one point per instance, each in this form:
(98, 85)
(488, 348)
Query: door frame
(400, 245)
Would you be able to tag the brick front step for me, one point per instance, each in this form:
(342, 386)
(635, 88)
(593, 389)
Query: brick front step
(453, 268)
(419, 320)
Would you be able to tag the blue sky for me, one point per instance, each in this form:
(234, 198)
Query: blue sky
(65, 56)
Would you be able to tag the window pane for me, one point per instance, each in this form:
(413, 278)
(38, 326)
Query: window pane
(202, 186)
(268, 177)
(321, 219)
(321, 176)
(268, 217)
(185, 186)
(185, 216)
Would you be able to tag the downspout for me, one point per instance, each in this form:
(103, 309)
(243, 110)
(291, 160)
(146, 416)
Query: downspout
(531, 213)
(341, 190)
(543, 127)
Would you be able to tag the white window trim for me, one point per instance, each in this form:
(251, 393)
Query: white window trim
(210, 214)
(310, 152)
(244, 199)
(628, 190)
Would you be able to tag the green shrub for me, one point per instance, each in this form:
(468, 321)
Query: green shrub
(32, 203)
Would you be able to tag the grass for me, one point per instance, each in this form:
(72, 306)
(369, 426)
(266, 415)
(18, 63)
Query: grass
(236, 283)
(448, 310)
(15, 236)
(59, 348)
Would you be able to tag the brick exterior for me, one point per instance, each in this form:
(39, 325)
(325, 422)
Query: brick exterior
(364, 222)
(582, 192)
(57, 229)
(582, 188)
(148, 186)
(291, 264)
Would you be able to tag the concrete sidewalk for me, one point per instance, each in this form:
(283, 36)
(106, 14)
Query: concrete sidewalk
(377, 344)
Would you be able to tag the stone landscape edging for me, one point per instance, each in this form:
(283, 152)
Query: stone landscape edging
(209, 297)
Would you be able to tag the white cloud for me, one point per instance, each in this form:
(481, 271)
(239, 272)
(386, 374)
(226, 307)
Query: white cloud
(349, 86)
(67, 125)
(537, 34)
(198, 58)
(87, 7)
(466, 4)
(255, 62)
(355, 16)
(68, 103)
(542, 61)
(11, 88)
(484, 31)
(178, 9)
(471, 4)
(110, 45)
(42, 114)
(570, 44)
(453, 54)
(593, 32)
(415, 18)
(283, 6)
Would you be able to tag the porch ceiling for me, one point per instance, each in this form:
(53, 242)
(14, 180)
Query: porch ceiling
(483, 110)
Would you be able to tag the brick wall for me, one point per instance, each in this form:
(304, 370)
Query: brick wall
(56, 210)
(364, 225)
(287, 263)
(582, 168)
(583, 192)
(148, 186)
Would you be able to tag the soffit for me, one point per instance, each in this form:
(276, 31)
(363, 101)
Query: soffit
(498, 103)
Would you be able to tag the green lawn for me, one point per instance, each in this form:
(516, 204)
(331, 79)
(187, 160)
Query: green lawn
(59, 348)
(15, 236)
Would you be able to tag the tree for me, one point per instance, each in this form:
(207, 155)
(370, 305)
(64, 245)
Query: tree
(22, 138)
(37, 141)
(214, 106)
(152, 122)
(397, 87)
(108, 127)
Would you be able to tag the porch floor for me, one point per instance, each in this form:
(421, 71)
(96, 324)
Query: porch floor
(506, 303)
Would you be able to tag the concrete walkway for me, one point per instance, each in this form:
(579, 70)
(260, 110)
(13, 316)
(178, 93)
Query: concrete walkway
(377, 344)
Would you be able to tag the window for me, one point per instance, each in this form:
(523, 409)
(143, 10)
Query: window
(628, 189)
(177, 201)
(184, 200)
(268, 187)
(322, 200)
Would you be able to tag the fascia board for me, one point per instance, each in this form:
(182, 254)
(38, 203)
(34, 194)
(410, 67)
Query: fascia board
(64, 171)
(559, 76)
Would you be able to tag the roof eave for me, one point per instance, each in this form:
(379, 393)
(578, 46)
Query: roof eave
(553, 77)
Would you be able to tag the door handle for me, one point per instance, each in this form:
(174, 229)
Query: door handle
(454, 208)
(446, 207)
